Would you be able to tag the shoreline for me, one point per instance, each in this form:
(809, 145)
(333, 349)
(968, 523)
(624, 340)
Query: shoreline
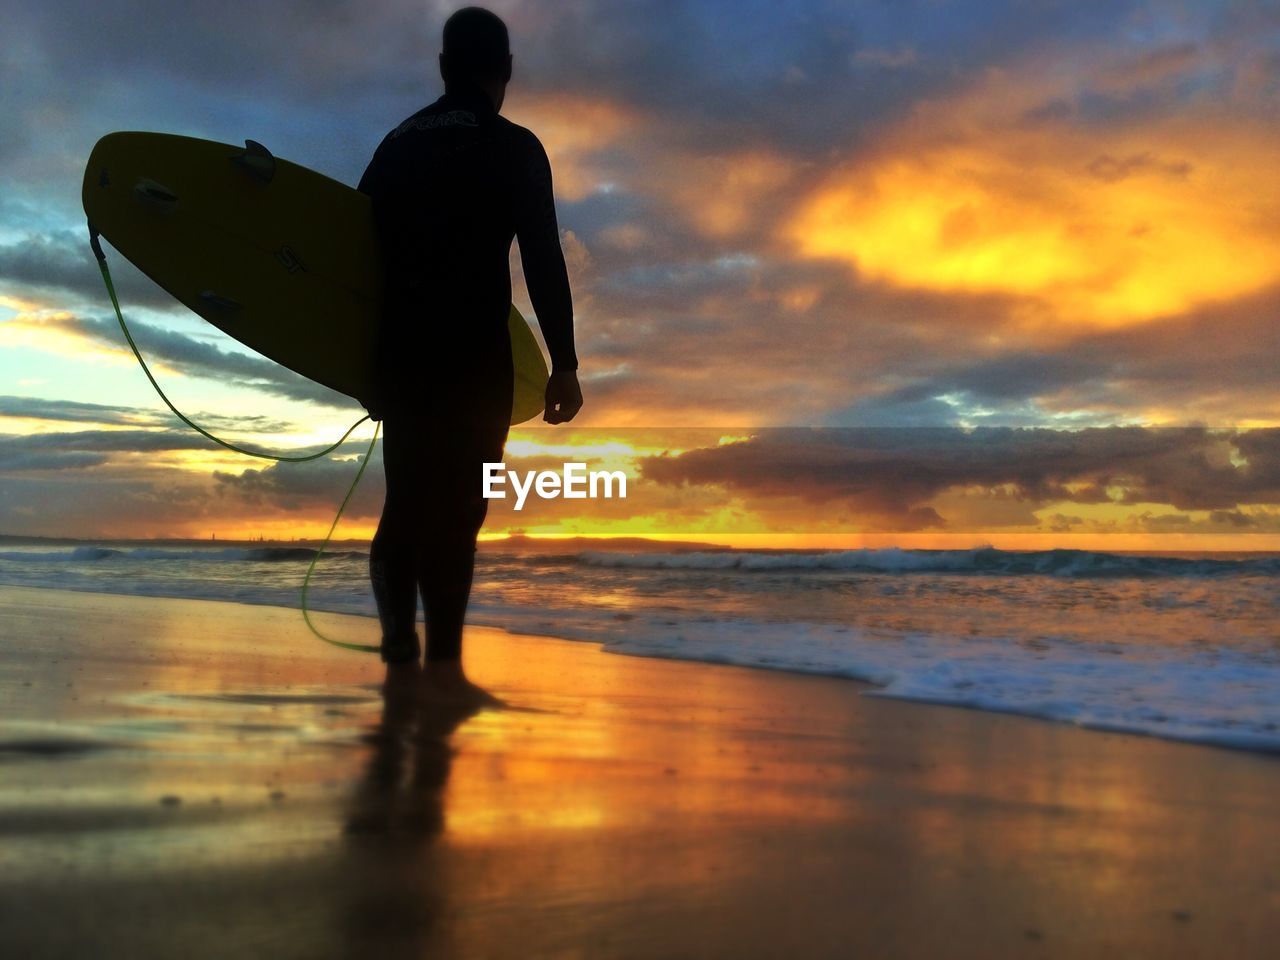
(1152, 544)
(863, 685)
(183, 777)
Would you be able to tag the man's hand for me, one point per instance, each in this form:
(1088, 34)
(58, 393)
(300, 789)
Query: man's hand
(564, 397)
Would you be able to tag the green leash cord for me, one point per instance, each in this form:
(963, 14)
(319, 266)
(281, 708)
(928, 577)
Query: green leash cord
(306, 582)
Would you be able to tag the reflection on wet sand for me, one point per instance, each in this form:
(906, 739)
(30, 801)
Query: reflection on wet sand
(399, 796)
(397, 808)
(203, 780)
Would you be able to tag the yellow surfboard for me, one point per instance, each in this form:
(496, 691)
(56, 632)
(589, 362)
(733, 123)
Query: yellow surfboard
(278, 256)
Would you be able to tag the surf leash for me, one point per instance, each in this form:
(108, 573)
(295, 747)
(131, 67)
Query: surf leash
(115, 302)
(282, 458)
(306, 581)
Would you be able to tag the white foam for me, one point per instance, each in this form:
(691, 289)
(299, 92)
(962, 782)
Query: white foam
(1061, 563)
(1226, 692)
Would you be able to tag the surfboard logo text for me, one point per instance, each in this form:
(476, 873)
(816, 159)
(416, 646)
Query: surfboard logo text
(292, 262)
(452, 118)
(573, 482)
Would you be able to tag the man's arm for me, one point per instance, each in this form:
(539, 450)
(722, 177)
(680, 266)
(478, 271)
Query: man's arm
(374, 403)
(547, 278)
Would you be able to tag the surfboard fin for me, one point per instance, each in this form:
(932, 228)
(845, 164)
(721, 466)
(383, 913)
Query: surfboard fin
(221, 302)
(154, 194)
(256, 161)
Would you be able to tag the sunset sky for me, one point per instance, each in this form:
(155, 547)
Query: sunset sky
(1019, 261)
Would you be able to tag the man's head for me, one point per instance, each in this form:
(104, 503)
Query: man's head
(476, 51)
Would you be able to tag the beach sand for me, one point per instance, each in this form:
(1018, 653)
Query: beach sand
(192, 779)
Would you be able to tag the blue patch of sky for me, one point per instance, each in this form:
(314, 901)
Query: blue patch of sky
(963, 31)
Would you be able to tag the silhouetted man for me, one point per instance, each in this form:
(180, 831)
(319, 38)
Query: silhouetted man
(451, 186)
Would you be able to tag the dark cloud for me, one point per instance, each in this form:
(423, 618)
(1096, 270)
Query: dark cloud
(38, 408)
(790, 479)
(319, 484)
(291, 488)
(106, 502)
(1206, 366)
(322, 81)
(200, 358)
(1234, 518)
(764, 343)
(126, 441)
(895, 474)
(76, 484)
(1111, 169)
(316, 79)
(802, 77)
(61, 263)
(1164, 61)
(107, 441)
(14, 459)
(82, 449)
(1261, 450)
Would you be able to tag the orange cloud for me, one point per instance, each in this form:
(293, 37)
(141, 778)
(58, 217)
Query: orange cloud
(574, 129)
(55, 331)
(17, 304)
(1102, 223)
(721, 194)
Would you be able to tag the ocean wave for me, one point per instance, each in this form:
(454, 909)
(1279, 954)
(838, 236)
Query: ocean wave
(90, 554)
(892, 560)
(1211, 693)
(1214, 696)
(981, 560)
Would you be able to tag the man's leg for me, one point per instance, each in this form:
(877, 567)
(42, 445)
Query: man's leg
(456, 512)
(448, 569)
(469, 428)
(393, 557)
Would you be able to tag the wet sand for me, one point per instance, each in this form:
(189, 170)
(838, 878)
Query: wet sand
(192, 779)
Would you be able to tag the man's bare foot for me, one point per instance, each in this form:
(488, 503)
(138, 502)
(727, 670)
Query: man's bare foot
(443, 681)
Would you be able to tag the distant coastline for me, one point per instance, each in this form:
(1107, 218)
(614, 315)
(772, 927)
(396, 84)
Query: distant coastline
(522, 542)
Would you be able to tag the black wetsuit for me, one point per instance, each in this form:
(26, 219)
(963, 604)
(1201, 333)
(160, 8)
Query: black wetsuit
(451, 187)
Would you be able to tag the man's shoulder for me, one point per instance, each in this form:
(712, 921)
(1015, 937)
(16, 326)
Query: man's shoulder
(523, 141)
(517, 132)
(493, 132)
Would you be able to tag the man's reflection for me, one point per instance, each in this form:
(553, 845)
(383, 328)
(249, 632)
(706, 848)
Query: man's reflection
(398, 807)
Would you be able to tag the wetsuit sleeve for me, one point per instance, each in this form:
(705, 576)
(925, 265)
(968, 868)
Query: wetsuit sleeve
(367, 179)
(539, 236)
(369, 185)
